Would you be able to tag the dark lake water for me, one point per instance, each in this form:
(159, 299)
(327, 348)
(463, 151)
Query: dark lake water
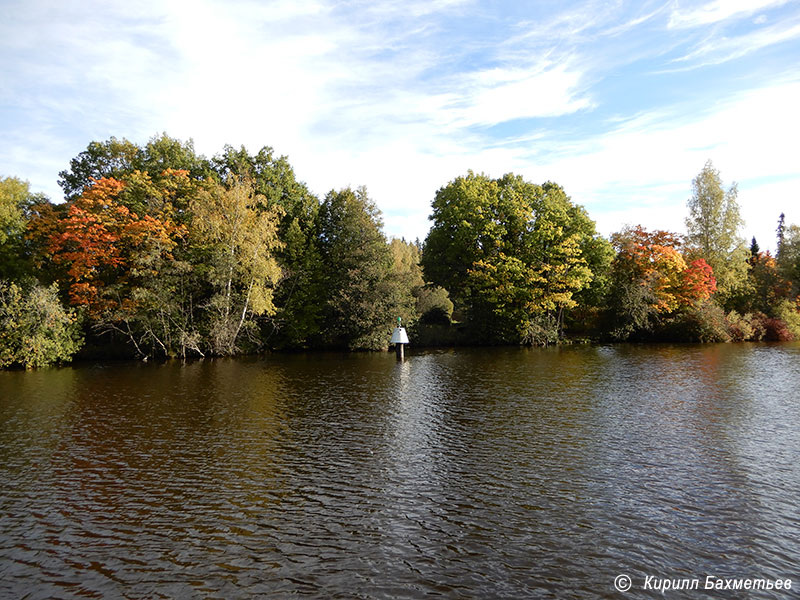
(497, 473)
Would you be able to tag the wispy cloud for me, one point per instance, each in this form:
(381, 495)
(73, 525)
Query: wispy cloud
(717, 11)
(646, 14)
(620, 102)
(718, 49)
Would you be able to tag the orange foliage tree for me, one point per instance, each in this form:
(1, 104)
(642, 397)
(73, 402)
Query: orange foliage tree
(653, 260)
(699, 282)
(105, 246)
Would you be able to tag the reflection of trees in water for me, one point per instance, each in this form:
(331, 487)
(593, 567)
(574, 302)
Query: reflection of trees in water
(455, 470)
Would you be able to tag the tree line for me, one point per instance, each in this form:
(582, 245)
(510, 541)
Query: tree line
(157, 251)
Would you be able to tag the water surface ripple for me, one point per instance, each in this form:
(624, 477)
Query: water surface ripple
(498, 473)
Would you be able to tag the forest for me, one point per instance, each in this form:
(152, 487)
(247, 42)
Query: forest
(159, 252)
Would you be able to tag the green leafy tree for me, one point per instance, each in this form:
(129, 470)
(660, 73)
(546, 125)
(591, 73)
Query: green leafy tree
(118, 159)
(14, 197)
(510, 253)
(16, 205)
(766, 287)
(788, 312)
(754, 248)
(592, 300)
(166, 195)
(35, 328)
(362, 296)
(789, 263)
(713, 230)
(781, 236)
(462, 233)
(159, 296)
(110, 159)
(163, 154)
(434, 306)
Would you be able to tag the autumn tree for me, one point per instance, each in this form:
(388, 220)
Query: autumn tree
(239, 236)
(698, 283)
(406, 274)
(298, 295)
(713, 230)
(168, 181)
(112, 261)
(101, 242)
(87, 243)
(651, 279)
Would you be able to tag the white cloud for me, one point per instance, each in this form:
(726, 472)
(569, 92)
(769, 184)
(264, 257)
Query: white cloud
(501, 95)
(411, 8)
(641, 171)
(719, 10)
(716, 50)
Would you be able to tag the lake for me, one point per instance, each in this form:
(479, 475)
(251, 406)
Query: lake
(470, 473)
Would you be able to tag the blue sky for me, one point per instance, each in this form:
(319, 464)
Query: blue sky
(621, 102)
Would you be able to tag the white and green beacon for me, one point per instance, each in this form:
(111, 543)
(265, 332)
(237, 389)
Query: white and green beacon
(399, 338)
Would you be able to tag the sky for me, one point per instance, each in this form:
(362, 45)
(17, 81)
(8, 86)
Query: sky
(621, 103)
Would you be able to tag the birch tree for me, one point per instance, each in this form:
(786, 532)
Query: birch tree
(713, 230)
(239, 235)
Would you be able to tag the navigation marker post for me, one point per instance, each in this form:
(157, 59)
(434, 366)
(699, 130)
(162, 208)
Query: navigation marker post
(399, 339)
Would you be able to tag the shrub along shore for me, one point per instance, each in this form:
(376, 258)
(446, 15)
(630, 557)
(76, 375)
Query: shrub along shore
(159, 252)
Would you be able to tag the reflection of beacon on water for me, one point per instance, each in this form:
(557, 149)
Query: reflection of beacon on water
(399, 339)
